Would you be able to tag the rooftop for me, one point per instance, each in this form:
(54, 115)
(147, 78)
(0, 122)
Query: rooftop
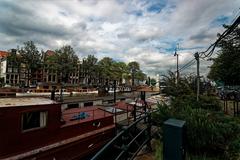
(3, 54)
(26, 101)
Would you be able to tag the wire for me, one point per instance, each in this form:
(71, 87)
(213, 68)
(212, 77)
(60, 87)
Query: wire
(187, 65)
(209, 51)
(212, 47)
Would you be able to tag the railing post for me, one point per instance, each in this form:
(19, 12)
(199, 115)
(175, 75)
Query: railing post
(78, 116)
(124, 147)
(134, 112)
(104, 114)
(127, 114)
(115, 114)
(149, 129)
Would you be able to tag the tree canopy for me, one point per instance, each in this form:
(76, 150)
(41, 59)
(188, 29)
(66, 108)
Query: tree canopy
(226, 66)
(31, 58)
(66, 61)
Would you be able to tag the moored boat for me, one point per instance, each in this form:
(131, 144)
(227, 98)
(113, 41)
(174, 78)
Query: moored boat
(37, 128)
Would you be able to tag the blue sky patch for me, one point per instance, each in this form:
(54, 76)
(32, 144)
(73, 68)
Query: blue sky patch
(157, 6)
(137, 13)
(220, 21)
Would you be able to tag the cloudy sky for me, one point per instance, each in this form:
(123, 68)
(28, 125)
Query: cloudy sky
(146, 31)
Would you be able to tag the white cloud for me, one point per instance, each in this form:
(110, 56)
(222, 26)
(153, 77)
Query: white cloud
(123, 30)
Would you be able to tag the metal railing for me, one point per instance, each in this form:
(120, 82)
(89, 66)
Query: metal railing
(128, 142)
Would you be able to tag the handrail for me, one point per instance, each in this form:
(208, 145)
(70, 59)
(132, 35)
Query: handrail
(118, 136)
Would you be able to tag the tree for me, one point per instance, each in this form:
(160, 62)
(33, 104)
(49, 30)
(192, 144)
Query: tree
(90, 63)
(31, 59)
(119, 70)
(140, 76)
(153, 82)
(226, 66)
(133, 67)
(183, 87)
(106, 66)
(66, 62)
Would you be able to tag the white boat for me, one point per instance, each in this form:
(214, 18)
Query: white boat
(87, 92)
(39, 94)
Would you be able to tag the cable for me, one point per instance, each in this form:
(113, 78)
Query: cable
(209, 51)
(223, 35)
(187, 65)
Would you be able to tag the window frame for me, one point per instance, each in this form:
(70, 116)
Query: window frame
(35, 128)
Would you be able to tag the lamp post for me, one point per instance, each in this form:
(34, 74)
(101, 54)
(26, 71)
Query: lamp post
(176, 54)
(158, 78)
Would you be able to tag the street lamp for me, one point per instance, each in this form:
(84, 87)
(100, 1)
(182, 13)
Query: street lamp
(158, 78)
(176, 54)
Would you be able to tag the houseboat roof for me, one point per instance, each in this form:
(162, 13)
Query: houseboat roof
(79, 115)
(26, 101)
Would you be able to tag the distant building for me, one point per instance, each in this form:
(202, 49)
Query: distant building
(15, 73)
(9, 71)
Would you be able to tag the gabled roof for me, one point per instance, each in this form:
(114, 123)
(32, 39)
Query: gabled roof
(3, 54)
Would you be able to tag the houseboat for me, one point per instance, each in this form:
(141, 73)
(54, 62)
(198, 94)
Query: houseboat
(38, 128)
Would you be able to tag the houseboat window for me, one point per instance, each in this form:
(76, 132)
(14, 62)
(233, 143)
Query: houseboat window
(31, 120)
(73, 105)
(87, 104)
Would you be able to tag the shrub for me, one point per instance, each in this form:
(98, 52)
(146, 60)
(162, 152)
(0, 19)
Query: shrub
(205, 102)
(208, 131)
(233, 150)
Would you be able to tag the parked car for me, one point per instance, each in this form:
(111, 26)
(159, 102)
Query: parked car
(229, 93)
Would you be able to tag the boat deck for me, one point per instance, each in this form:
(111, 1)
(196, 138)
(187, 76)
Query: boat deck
(81, 115)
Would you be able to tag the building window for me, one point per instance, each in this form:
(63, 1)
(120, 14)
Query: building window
(9, 69)
(15, 70)
(34, 120)
(49, 78)
(54, 78)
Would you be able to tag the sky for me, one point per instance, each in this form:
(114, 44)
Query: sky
(146, 31)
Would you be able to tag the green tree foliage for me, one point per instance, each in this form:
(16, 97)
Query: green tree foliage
(208, 129)
(112, 70)
(133, 68)
(226, 66)
(153, 81)
(66, 62)
(208, 132)
(90, 64)
(106, 67)
(31, 58)
(119, 69)
(173, 89)
(140, 76)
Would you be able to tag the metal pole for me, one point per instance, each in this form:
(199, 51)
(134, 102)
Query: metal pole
(177, 70)
(198, 76)
(175, 54)
(114, 91)
(159, 84)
